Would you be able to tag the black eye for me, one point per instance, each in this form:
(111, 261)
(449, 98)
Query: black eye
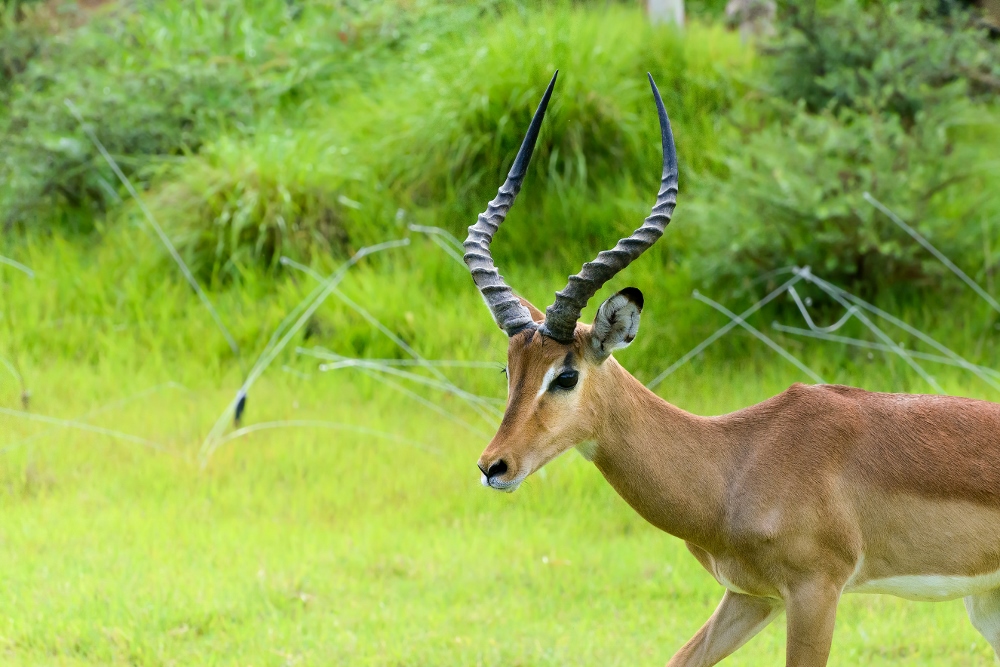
(566, 380)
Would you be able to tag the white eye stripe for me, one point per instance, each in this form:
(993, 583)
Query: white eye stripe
(550, 375)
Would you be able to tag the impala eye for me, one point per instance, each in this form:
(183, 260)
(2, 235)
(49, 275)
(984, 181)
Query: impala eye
(566, 380)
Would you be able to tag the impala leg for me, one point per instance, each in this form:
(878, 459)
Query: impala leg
(735, 621)
(984, 612)
(812, 611)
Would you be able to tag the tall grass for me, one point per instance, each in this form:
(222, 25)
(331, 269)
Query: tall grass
(363, 121)
(434, 135)
(161, 78)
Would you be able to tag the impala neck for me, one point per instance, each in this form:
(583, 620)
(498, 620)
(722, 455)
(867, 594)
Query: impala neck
(669, 465)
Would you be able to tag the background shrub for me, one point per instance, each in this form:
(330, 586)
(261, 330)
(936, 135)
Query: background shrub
(886, 99)
(158, 79)
(434, 137)
(257, 129)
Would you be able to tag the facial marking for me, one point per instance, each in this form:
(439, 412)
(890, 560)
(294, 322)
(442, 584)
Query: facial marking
(550, 375)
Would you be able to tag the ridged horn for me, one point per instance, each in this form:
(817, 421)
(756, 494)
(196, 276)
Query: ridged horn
(562, 315)
(503, 304)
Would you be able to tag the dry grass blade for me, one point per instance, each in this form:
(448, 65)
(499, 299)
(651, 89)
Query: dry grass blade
(951, 359)
(82, 426)
(443, 239)
(17, 265)
(913, 331)
(484, 411)
(13, 371)
(838, 295)
(315, 300)
(156, 227)
(419, 379)
(96, 411)
(433, 407)
(722, 331)
(868, 345)
(320, 353)
(809, 320)
(916, 236)
(317, 423)
(733, 317)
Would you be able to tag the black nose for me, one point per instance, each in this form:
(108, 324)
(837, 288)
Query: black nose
(498, 468)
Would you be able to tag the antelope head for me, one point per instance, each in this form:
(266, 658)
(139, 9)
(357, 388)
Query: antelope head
(555, 364)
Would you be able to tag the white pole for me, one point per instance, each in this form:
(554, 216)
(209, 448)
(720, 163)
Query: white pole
(666, 11)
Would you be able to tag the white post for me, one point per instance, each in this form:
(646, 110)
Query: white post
(666, 11)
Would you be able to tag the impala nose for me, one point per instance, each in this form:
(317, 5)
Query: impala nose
(496, 468)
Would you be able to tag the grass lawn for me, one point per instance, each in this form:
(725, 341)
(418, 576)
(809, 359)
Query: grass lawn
(310, 546)
(257, 130)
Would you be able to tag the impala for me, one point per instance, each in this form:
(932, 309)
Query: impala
(790, 503)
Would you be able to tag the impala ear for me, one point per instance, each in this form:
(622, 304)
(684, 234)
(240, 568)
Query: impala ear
(617, 322)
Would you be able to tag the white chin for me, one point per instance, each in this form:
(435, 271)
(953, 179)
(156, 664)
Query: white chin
(506, 487)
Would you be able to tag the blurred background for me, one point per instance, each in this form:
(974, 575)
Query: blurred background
(244, 373)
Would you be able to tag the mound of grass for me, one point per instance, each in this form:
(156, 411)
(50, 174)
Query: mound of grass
(159, 79)
(435, 137)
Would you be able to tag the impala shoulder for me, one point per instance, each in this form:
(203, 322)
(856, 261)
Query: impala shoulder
(818, 423)
(818, 398)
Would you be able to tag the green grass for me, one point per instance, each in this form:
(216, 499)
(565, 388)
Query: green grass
(306, 546)
(304, 132)
(317, 546)
(311, 545)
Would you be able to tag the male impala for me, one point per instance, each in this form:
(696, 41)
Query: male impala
(819, 491)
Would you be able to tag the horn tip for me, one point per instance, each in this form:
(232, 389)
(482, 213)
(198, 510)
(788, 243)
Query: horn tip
(552, 83)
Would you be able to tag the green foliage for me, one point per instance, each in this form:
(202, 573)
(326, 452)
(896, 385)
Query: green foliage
(893, 57)
(235, 207)
(885, 100)
(18, 44)
(795, 196)
(261, 129)
(435, 137)
(461, 116)
(158, 79)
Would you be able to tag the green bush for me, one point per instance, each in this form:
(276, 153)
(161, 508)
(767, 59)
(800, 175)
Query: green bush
(881, 100)
(894, 57)
(435, 137)
(795, 197)
(20, 40)
(158, 79)
(243, 204)
(462, 116)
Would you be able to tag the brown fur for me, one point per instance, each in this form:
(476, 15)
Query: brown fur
(786, 502)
